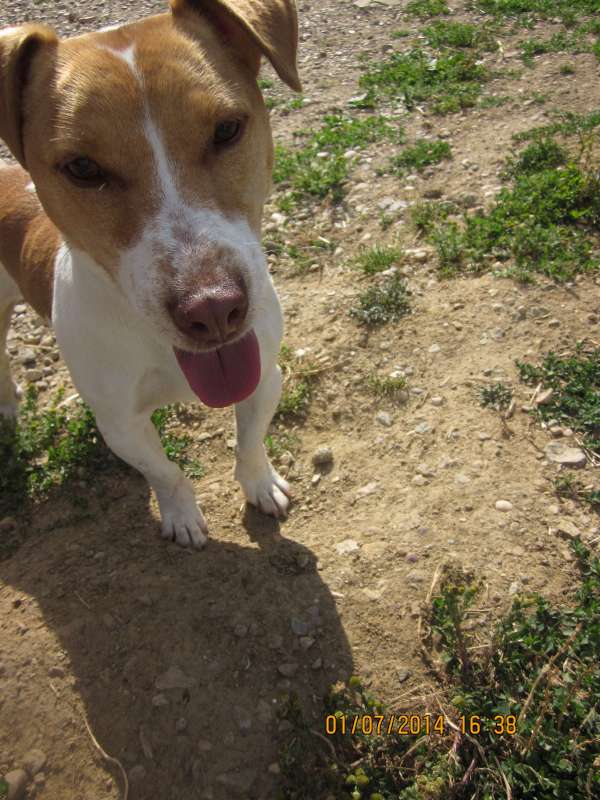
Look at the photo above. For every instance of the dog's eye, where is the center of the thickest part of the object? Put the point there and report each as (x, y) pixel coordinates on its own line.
(227, 132)
(84, 171)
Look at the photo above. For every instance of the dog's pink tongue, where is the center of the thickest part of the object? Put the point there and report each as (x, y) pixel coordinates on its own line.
(224, 376)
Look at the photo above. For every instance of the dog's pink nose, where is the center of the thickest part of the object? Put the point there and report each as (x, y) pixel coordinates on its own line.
(213, 317)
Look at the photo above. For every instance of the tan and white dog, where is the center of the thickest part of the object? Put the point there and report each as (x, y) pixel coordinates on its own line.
(132, 226)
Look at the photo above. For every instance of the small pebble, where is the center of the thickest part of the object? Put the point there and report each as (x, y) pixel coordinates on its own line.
(503, 505)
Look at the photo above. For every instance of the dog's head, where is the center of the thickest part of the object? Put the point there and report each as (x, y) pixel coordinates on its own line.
(150, 149)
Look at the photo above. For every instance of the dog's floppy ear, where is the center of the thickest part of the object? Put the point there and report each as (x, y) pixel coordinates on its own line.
(17, 49)
(272, 25)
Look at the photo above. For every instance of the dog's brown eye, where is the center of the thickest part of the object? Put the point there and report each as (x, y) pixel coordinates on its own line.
(84, 171)
(226, 132)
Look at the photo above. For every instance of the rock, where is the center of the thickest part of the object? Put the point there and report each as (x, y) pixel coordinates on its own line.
(422, 427)
(560, 453)
(17, 781)
(515, 588)
(368, 489)
(7, 524)
(181, 724)
(34, 761)
(434, 348)
(33, 375)
(240, 630)
(503, 505)
(423, 469)
(419, 480)
(322, 456)
(204, 746)
(417, 255)
(239, 783)
(288, 670)
(137, 773)
(403, 675)
(347, 546)
(437, 401)
(568, 528)
(27, 356)
(384, 419)
(554, 323)
(159, 700)
(306, 642)
(299, 627)
(174, 678)
(544, 397)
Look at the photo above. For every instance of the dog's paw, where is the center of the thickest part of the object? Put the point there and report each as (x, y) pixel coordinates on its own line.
(187, 527)
(265, 489)
(182, 520)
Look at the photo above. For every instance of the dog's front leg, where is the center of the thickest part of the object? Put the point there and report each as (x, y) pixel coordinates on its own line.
(261, 484)
(136, 441)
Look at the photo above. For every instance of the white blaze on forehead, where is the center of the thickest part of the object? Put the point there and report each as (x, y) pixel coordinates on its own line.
(162, 165)
(128, 56)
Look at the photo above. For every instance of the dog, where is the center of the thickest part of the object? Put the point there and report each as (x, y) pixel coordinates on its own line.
(132, 226)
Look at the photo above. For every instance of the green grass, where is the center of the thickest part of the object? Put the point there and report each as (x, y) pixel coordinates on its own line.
(388, 388)
(427, 215)
(569, 487)
(575, 380)
(528, 11)
(46, 449)
(299, 378)
(567, 69)
(460, 34)
(497, 396)
(514, 711)
(377, 258)
(424, 9)
(386, 302)
(307, 174)
(423, 153)
(559, 42)
(568, 123)
(449, 82)
(277, 444)
(544, 223)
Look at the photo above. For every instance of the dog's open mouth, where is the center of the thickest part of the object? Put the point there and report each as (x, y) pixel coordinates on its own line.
(223, 376)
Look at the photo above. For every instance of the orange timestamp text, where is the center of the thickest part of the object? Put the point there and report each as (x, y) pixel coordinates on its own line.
(417, 724)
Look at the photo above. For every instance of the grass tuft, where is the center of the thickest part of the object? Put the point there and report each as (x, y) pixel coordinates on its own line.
(420, 155)
(575, 401)
(387, 302)
(450, 81)
(377, 258)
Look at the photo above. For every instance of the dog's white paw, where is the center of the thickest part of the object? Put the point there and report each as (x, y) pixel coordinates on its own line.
(265, 489)
(182, 520)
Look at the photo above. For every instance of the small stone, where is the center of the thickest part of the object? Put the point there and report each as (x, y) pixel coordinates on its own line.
(484, 437)
(419, 480)
(27, 356)
(366, 490)
(33, 375)
(412, 558)
(422, 427)
(239, 783)
(322, 456)
(437, 401)
(299, 627)
(515, 587)
(7, 524)
(137, 773)
(306, 642)
(568, 528)
(274, 769)
(316, 479)
(384, 418)
(240, 630)
(204, 746)
(34, 761)
(17, 781)
(560, 453)
(423, 469)
(174, 678)
(434, 348)
(181, 724)
(56, 672)
(544, 397)
(288, 670)
(503, 505)
(159, 700)
(347, 547)
(317, 663)
(554, 323)
(403, 675)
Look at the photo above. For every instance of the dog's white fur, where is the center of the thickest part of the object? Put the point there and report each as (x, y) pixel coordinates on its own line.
(117, 339)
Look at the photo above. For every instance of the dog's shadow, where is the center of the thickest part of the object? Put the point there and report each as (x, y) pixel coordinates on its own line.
(181, 658)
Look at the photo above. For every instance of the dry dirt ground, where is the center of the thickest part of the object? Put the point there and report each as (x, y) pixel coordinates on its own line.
(177, 659)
